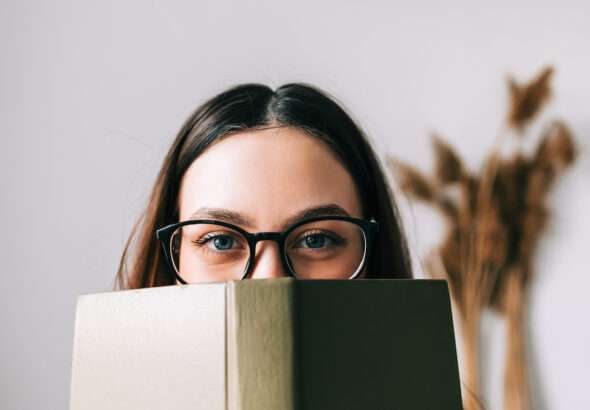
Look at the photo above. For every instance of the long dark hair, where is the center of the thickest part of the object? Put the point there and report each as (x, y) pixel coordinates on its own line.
(253, 106)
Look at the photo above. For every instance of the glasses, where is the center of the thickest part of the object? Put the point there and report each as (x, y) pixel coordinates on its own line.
(327, 247)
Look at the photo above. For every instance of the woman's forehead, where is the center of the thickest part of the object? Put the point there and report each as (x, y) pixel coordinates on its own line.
(267, 174)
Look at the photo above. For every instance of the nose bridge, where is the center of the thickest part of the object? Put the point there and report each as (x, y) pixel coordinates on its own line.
(265, 264)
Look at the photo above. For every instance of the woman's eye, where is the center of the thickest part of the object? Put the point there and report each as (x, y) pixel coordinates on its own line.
(218, 242)
(316, 241)
(223, 242)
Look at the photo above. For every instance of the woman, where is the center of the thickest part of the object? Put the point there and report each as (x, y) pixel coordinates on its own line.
(261, 183)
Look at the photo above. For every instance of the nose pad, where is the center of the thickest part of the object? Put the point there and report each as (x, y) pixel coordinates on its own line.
(267, 261)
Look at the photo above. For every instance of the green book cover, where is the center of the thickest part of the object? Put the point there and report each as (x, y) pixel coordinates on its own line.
(267, 344)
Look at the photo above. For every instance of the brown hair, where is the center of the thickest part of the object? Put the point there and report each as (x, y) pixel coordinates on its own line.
(253, 106)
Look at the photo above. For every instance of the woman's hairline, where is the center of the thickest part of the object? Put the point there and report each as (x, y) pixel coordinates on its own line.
(274, 124)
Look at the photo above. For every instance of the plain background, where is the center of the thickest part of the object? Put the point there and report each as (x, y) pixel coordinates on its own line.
(92, 94)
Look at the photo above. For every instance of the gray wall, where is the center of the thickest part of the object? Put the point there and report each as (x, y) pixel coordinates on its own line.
(92, 94)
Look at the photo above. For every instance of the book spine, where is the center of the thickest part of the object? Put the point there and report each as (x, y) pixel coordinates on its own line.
(261, 345)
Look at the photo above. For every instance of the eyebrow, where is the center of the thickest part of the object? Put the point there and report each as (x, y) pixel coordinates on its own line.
(236, 218)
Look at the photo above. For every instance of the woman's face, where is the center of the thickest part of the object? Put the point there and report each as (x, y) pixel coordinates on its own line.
(264, 179)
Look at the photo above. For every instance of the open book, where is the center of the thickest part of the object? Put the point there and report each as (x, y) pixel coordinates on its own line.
(267, 344)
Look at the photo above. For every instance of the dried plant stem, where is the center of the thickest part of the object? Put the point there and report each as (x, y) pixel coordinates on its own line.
(467, 309)
(470, 333)
(516, 388)
(475, 293)
(490, 168)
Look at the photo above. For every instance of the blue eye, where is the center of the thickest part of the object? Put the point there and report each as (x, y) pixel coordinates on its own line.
(315, 241)
(318, 241)
(223, 242)
(218, 242)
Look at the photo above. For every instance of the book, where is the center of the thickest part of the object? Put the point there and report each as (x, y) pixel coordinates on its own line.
(267, 344)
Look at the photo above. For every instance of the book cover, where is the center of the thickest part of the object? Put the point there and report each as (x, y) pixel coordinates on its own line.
(267, 344)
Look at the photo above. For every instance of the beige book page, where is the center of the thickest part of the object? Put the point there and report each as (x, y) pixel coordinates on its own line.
(150, 349)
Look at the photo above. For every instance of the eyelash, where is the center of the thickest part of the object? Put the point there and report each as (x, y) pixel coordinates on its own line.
(211, 236)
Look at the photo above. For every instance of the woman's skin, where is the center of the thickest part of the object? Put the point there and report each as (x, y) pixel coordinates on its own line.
(267, 177)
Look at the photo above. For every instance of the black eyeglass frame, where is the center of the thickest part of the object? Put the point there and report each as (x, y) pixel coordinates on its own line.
(368, 227)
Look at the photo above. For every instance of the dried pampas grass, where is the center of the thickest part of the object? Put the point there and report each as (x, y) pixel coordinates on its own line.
(448, 167)
(411, 181)
(492, 229)
(527, 100)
